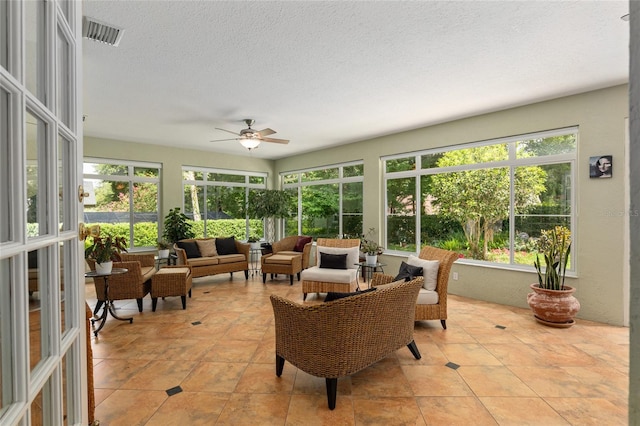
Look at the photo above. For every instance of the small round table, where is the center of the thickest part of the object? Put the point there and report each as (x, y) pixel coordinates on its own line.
(369, 268)
(108, 307)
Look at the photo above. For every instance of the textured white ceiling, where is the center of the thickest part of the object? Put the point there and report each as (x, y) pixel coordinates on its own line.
(327, 73)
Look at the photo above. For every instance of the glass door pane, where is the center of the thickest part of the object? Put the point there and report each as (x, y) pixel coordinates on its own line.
(35, 67)
(37, 181)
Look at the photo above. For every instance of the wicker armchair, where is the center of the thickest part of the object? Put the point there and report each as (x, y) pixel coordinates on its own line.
(437, 311)
(314, 285)
(286, 246)
(135, 284)
(342, 337)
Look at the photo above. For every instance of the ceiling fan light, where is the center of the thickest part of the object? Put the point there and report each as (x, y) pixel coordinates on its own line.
(250, 143)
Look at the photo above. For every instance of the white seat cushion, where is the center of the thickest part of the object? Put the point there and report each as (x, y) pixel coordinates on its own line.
(316, 273)
(430, 270)
(427, 297)
(353, 254)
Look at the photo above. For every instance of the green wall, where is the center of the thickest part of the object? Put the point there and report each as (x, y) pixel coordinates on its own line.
(600, 116)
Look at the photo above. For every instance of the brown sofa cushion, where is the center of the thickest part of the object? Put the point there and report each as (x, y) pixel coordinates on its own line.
(207, 247)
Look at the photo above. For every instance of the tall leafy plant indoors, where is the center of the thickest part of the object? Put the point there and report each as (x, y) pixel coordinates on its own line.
(176, 226)
(269, 204)
(555, 246)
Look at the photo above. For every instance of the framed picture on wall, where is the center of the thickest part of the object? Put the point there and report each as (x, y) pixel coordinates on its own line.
(601, 166)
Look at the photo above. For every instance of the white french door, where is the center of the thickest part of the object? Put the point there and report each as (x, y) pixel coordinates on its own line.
(42, 316)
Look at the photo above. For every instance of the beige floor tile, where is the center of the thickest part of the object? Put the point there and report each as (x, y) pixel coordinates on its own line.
(129, 407)
(435, 380)
(494, 381)
(589, 411)
(454, 410)
(261, 378)
(312, 410)
(214, 377)
(190, 408)
(307, 384)
(519, 411)
(465, 354)
(381, 379)
(160, 375)
(255, 409)
(231, 351)
(113, 373)
(387, 411)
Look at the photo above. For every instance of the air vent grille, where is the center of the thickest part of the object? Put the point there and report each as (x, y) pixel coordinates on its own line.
(101, 31)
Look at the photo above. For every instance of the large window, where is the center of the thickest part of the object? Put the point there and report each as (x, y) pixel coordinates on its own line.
(123, 199)
(489, 201)
(328, 201)
(215, 200)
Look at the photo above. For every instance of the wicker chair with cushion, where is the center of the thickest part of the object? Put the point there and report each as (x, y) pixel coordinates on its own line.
(432, 300)
(135, 284)
(340, 338)
(318, 279)
(294, 245)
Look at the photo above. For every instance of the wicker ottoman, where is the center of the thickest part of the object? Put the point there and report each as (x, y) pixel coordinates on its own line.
(171, 281)
(281, 264)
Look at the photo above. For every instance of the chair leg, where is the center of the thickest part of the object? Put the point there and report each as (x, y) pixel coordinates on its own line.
(139, 300)
(231, 273)
(279, 365)
(414, 349)
(291, 279)
(298, 276)
(304, 296)
(444, 323)
(184, 302)
(332, 390)
(189, 293)
(246, 274)
(98, 306)
(264, 278)
(154, 303)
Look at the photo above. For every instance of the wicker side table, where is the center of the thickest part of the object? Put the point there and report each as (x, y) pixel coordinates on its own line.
(171, 281)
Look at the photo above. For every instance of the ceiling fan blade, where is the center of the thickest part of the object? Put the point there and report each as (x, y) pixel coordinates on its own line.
(265, 132)
(283, 141)
(228, 131)
(223, 140)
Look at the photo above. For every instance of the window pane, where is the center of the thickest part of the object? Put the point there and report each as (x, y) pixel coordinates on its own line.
(145, 214)
(320, 210)
(64, 93)
(324, 174)
(64, 181)
(477, 155)
(352, 209)
(194, 208)
(111, 208)
(35, 48)
(292, 178)
(436, 229)
(65, 274)
(191, 175)
(356, 170)
(546, 146)
(223, 177)
(36, 165)
(4, 34)
(291, 223)
(401, 214)
(400, 164)
(6, 181)
(260, 180)
(106, 169)
(225, 210)
(6, 326)
(146, 172)
(37, 261)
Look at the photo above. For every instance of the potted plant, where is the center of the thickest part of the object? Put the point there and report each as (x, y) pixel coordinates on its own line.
(370, 247)
(254, 241)
(551, 301)
(176, 226)
(104, 251)
(269, 204)
(163, 248)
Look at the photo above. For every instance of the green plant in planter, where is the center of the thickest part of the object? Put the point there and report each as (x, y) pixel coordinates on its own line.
(163, 244)
(269, 204)
(253, 239)
(176, 227)
(104, 249)
(368, 245)
(555, 246)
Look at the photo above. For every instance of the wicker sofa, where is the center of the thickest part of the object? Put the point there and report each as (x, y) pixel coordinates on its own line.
(340, 338)
(207, 264)
(431, 304)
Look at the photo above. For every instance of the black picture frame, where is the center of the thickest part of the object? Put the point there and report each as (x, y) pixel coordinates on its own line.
(601, 166)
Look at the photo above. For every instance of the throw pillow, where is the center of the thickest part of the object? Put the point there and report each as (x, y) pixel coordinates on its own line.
(302, 241)
(226, 245)
(207, 247)
(190, 248)
(408, 272)
(353, 254)
(333, 261)
(430, 269)
(332, 295)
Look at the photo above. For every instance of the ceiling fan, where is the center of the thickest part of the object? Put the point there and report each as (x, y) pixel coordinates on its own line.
(250, 138)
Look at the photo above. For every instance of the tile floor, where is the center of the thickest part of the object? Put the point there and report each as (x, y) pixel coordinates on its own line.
(214, 363)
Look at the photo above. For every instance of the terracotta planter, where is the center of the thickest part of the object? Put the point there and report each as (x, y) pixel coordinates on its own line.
(555, 308)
